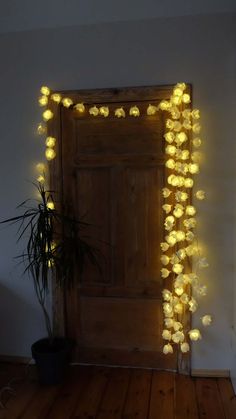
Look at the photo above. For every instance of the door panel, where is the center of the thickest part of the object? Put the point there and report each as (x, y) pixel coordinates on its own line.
(112, 174)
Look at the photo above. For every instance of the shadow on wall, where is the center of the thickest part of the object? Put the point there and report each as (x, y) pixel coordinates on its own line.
(18, 322)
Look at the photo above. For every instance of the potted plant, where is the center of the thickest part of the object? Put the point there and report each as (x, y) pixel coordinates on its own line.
(53, 242)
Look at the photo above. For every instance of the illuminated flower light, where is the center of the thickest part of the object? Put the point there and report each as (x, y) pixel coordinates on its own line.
(187, 124)
(201, 290)
(190, 210)
(178, 337)
(169, 222)
(50, 153)
(166, 192)
(189, 236)
(206, 320)
(43, 100)
(104, 111)
(195, 114)
(181, 167)
(170, 164)
(178, 210)
(40, 167)
(197, 142)
(184, 347)
(167, 308)
(170, 149)
(176, 100)
(186, 98)
(178, 308)
(177, 268)
(179, 290)
(184, 154)
(196, 156)
(188, 183)
(170, 124)
(203, 263)
(178, 91)
(50, 142)
(181, 253)
(167, 208)
(164, 105)
(50, 205)
(56, 97)
(195, 334)
(181, 196)
(200, 195)
(47, 115)
(175, 113)
(196, 128)
(190, 223)
(167, 295)
(180, 235)
(41, 179)
(120, 113)
(165, 260)
(165, 273)
(169, 137)
(67, 102)
(187, 113)
(193, 305)
(177, 326)
(184, 298)
(134, 111)
(174, 258)
(45, 90)
(180, 138)
(193, 168)
(151, 110)
(166, 334)
(177, 126)
(168, 349)
(41, 128)
(94, 111)
(80, 107)
(169, 323)
(164, 246)
(190, 250)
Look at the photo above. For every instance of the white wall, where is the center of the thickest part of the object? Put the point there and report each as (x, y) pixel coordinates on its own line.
(198, 50)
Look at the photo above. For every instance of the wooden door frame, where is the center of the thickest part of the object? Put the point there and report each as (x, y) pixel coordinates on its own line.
(93, 96)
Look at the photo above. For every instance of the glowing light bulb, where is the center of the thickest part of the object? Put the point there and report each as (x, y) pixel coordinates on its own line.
(188, 183)
(181, 254)
(67, 102)
(166, 294)
(51, 205)
(178, 210)
(104, 111)
(166, 192)
(184, 154)
(167, 349)
(203, 263)
(193, 305)
(178, 91)
(189, 236)
(187, 124)
(170, 149)
(177, 326)
(40, 167)
(179, 290)
(167, 208)
(178, 337)
(120, 113)
(176, 100)
(169, 222)
(94, 111)
(190, 223)
(190, 210)
(166, 334)
(134, 111)
(187, 113)
(195, 114)
(178, 308)
(200, 195)
(180, 138)
(165, 273)
(180, 235)
(181, 86)
(50, 141)
(164, 105)
(184, 347)
(50, 154)
(186, 98)
(177, 126)
(80, 107)
(170, 124)
(196, 128)
(171, 240)
(184, 298)
(164, 246)
(169, 137)
(170, 164)
(41, 179)
(181, 196)
(175, 113)
(151, 110)
(196, 156)
(206, 320)
(43, 100)
(165, 260)
(169, 322)
(56, 97)
(47, 115)
(167, 308)
(195, 334)
(45, 90)
(197, 142)
(177, 268)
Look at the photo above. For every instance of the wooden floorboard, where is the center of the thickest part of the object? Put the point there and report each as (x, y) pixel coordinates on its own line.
(117, 393)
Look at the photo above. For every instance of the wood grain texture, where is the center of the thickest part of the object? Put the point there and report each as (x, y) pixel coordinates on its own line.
(185, 398)
(162, 396)
(137, 400)
(209, 399)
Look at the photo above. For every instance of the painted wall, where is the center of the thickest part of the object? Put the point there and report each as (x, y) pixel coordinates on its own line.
(198, 50)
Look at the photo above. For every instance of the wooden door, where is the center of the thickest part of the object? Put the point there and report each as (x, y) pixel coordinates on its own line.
(111, 170)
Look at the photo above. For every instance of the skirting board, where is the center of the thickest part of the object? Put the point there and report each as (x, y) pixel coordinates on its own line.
(15, 359)
(210, 373)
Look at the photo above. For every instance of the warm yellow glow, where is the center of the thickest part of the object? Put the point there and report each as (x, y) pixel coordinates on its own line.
(178, 337)
(177, 268)
(203, 263)
(181, 196)
(197, 142)
(207, 320)
(179, 290)
(40, 167)
(170, 164)
(164, 246)
(50, 141)
(175, 113)
(166, 192)
(193, 305)
(80, 107)
(41, 129)
(56, 97)
(177, 326)
(169, 323)
(195, 114)
(169, 137)
(67, 102)
(167, 308)
(168, 349)
(50, 153)
(170, 149)
(186, 98)
(170, 124)
(41, 179)
(43, 100)
(94, 111)
(165, 260)
(104, 111)
(167, 295)
(45, 90)
(51, 205)
(164, 105)
(196, 128)
(166, 334)
(176, 100)
(187, 113)
(200, 195)
(120, 113)
(179, 308)
(190, 236)
(178, 91)
(178, 210)
(188, 183)
(169, 222)
(151, 110)
(195, 334)
(184, 347)
(190, 210)
(187, 124)
(180, 138)
(180, 235)
(167, 208)
(165, 273)
(48, 114)
(177, 126)
(134, 111)
(181, 254)
(184, 298)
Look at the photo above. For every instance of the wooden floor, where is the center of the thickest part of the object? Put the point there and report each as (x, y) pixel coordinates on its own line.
(109, 393)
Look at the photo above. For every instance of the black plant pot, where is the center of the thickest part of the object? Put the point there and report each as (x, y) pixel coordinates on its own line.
(51, 360)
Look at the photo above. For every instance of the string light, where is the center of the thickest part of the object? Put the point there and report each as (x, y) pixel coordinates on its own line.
(151, 110)
(50, 141)
(67, 102)
(45, 90)
(47, 115)
(80, 107)
(134, 111)
(195, 334)
(41, 128)
(56, 97)
(104, 111)
(120, 113)
(206, 320)
(43, 100)
(50, 154)
(94, 111)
